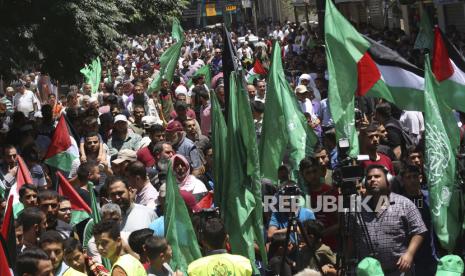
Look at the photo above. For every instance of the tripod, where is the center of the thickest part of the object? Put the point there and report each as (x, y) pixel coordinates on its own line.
(292, 224)
(344, 262)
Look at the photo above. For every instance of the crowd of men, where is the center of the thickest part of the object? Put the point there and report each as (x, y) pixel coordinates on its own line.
(127, 137)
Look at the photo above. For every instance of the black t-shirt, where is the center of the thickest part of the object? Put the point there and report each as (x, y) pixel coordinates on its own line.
(85, 195)
(394, 134)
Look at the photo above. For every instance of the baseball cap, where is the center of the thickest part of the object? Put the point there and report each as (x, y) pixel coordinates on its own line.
(450, 265)
(174, 126)
(149, 121)
(300, 89)
(120, 118)
(125, 155)
(369, 267)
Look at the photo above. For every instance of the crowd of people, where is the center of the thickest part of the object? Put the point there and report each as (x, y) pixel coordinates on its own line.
(127, 137)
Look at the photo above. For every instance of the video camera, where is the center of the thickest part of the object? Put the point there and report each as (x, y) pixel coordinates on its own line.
(347, 173)
(290, 190)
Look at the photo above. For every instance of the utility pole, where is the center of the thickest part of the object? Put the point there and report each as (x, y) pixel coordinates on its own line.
(320, 9)
(254, 15)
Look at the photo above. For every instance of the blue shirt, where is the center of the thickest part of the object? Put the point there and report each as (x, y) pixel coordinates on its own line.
(280, 220)
(158, 227)
(333, 159)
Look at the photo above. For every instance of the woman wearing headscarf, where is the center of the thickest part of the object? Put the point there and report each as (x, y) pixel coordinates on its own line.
(186, 181)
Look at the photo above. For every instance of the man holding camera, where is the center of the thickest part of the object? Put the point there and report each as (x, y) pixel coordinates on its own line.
(394, 225)
(288, 209)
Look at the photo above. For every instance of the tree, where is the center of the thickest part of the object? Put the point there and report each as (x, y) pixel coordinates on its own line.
(59, 37)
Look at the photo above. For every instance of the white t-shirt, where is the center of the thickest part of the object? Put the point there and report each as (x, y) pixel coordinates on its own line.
(25, 102)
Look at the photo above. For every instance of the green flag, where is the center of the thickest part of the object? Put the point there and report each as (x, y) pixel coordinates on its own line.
(109, 76)
(345, 47)
(219, 140)
(205, 71)
(176, 31)
(442, 140)
(284, 124)
(169, 59)
(178, 227)
(168, 62)
(425, 36)
(95, 219)
(243, 212)
(92, 74)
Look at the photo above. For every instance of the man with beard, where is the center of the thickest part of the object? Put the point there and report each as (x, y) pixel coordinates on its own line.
(394, 225)
(135, 216)
(9, 166)
(383, 146)
(199, 140)
(146, 155)
(370, 141)
(137, 125)
(48, 203)
(34, 222)
(140, 98)
(121, 138)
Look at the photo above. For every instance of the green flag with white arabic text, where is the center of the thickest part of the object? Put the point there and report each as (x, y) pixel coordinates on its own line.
(92, 74)
(441, 147)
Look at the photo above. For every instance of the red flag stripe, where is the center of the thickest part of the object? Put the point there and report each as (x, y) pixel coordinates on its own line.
(7, 219)
(60, 140)
(442, 67)
(65, 188)
(4, 266)
(206, 202)
(23, 175)
(258, 68)
(368, 74)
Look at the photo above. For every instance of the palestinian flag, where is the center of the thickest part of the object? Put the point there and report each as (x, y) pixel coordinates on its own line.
(63, 149)
(449, 69)
(8, 234)
(358, 66)
(257, 71)
(23, 176)
(4, 266)
(79, 209)
(206, 202)
(383, 73)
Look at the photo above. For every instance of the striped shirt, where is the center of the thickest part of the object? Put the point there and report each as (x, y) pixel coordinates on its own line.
(9, 105)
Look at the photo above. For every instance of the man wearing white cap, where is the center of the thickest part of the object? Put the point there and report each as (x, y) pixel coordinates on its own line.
(121, 138)
(305, 103)
(307, 80)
